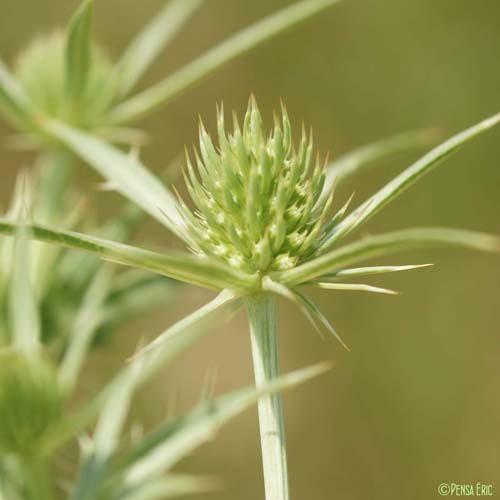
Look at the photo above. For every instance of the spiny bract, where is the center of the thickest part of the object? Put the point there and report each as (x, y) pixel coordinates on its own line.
(257, 196)
(41, 69)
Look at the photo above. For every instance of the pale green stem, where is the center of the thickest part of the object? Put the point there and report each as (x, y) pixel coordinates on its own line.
(262, 314)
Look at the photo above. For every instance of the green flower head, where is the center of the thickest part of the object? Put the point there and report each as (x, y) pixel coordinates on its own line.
(41, 69)
(30, 402)
(258, 197)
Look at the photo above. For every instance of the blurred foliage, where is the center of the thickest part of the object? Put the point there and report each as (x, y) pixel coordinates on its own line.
(416, 402)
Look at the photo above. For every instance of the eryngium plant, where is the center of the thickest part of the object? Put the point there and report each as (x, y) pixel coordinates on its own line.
(68, 76)
(39, 421)
(262, 227)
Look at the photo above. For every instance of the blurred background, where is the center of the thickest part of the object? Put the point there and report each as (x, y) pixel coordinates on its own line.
(417, 401)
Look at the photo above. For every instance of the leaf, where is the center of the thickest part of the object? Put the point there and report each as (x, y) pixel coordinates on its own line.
(146, 47)
(168, 335)
(180, 336)
(89, 317)
(183, 267)
(357, 160)
(370, 271)
(14, 103)
(126, 173)
(107, 435)
(355, 287)
(218, 56)
(313, 313)
(79, 49)
(171, 442)
(306, 305)
(119, 229)
(405, 180)
(385, 244)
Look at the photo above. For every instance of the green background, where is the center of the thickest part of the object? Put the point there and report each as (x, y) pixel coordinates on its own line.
(416, 402)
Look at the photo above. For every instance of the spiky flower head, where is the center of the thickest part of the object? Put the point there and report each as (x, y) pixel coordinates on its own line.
(257, 196)
(42, 71)
(30, 402)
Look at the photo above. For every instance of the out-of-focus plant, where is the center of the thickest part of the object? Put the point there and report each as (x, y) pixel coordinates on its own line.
(69, 77)
(76, 291)
(39, 420)
(262, 227)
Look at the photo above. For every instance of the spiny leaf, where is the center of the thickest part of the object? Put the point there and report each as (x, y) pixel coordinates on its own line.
(170, 443)
(107, 435)
(126, 173)
(386, 244)
(180, 336)
(355, 287)
(238, 44)
(168, 335)
(315, 314)
(357, 160)
(182, 267)
(370, 271)
(88, 319)
(308, 308)
(146, 47)
(406, 179)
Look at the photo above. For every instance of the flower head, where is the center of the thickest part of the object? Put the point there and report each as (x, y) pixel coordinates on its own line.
(30, 401)
(257, 196)
(42, 71)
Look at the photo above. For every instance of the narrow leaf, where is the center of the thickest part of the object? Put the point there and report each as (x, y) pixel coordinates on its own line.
(79, 49)
(316, 314)
(355, 287)
(127, 174)
(386, 244)
(357, 160)
(372, 270)
(406, 179)
(173, 441)
(107, 435)
(180, 336)
(88, 319)
(182, 267)
(167, 336)
(307, 307)
(146, 47)
(236, 45)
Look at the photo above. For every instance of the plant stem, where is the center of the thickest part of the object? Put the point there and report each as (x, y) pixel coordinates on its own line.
(262, 314)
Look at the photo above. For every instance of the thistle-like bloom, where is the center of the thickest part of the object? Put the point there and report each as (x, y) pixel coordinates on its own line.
(258, 198)
(42, 70)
